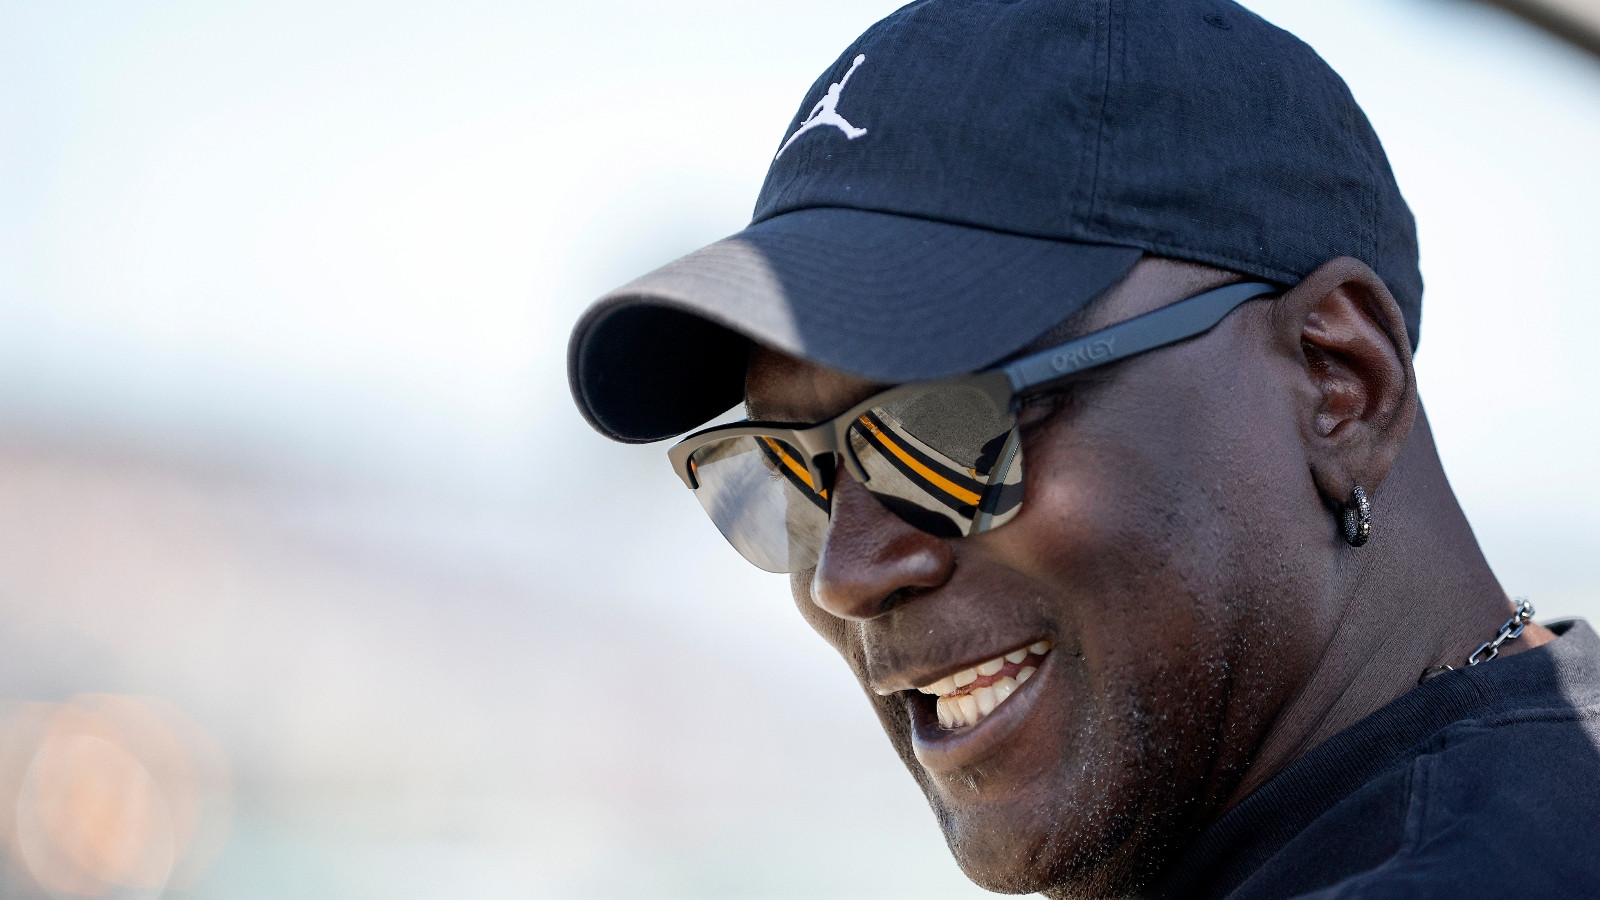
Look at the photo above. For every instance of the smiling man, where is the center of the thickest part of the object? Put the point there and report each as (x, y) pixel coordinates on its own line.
(1076, 341)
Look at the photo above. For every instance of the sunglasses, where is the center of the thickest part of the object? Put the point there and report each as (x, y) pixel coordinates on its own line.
(945, 456)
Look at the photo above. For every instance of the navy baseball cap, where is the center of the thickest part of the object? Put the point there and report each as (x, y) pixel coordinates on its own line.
(971, 172)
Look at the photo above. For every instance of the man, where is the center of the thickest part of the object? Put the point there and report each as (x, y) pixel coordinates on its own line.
(1082, 415)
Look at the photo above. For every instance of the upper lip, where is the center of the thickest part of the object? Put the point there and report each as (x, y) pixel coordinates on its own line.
(913, 679)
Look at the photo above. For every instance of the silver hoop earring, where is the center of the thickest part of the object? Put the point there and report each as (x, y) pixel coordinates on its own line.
(1358, 518)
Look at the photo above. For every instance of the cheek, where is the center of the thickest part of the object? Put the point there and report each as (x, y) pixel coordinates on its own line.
(1101, 511)
(1118, 541)
(1122, 532)
(800, 589)
(1156, 480)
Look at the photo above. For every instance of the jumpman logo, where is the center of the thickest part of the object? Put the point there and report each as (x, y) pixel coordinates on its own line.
(826, 112)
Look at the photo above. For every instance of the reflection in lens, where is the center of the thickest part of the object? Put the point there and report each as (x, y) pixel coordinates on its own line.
(758, 491)
(946, 460)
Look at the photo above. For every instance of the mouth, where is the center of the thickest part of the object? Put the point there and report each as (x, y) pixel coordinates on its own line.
(966, 717)
(967, 697)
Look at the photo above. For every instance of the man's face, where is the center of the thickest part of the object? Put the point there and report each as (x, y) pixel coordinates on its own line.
(1153, 550)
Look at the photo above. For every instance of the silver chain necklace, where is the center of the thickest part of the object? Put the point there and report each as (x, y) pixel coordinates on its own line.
(1510, 631)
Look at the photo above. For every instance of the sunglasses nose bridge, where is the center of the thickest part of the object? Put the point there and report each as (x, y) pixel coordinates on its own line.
(821, 454)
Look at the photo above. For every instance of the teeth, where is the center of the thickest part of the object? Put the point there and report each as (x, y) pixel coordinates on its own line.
(1002, 689)
(967, 709)
(986, 699)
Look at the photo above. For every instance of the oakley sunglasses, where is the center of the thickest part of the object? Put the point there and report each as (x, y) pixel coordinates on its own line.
(945, 456)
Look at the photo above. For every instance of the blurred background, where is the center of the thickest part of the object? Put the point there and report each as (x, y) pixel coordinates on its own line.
(312, 582)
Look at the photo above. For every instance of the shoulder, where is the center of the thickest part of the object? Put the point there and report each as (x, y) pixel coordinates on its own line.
(1514, 800)
(1505, 799)
(1502, 807)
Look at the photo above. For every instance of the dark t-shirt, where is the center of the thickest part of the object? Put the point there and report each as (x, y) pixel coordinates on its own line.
(1481, 782)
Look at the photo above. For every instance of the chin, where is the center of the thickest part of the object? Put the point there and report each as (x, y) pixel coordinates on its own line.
(1006, 852)
(1075, 806)
(1015, 846)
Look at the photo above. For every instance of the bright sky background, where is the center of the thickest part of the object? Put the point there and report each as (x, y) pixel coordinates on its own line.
(343, 242)
(357, 233)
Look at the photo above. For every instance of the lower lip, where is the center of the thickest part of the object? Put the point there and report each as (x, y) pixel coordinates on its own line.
(941, 751)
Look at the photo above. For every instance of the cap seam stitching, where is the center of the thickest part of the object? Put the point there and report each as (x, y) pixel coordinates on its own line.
(1100, 131)
(1373, 198)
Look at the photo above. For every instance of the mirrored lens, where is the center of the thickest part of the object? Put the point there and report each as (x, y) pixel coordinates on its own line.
(759, 493)
(946, 460)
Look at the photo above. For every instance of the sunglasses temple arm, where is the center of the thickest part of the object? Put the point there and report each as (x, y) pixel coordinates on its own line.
(1168, 325)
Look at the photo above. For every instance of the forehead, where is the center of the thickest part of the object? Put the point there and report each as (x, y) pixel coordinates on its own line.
(784, 388)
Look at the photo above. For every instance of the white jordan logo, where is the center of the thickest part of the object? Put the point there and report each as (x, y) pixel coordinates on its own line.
(826, 112)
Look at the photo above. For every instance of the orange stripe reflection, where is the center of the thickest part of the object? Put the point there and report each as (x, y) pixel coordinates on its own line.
(949, 487)
(793, 465)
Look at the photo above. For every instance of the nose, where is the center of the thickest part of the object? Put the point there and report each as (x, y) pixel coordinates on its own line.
(871, 557)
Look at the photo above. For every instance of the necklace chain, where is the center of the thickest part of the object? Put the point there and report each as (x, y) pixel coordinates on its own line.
(1510, 631)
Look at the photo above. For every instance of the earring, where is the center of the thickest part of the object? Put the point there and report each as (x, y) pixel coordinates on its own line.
(1358, 518)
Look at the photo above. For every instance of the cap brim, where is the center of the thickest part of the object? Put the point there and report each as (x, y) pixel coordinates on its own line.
(884, 297)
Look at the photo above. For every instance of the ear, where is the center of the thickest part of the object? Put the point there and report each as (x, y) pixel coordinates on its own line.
(1349, 337)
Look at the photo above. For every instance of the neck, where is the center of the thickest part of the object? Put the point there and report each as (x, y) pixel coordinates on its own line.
(1420, 594)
